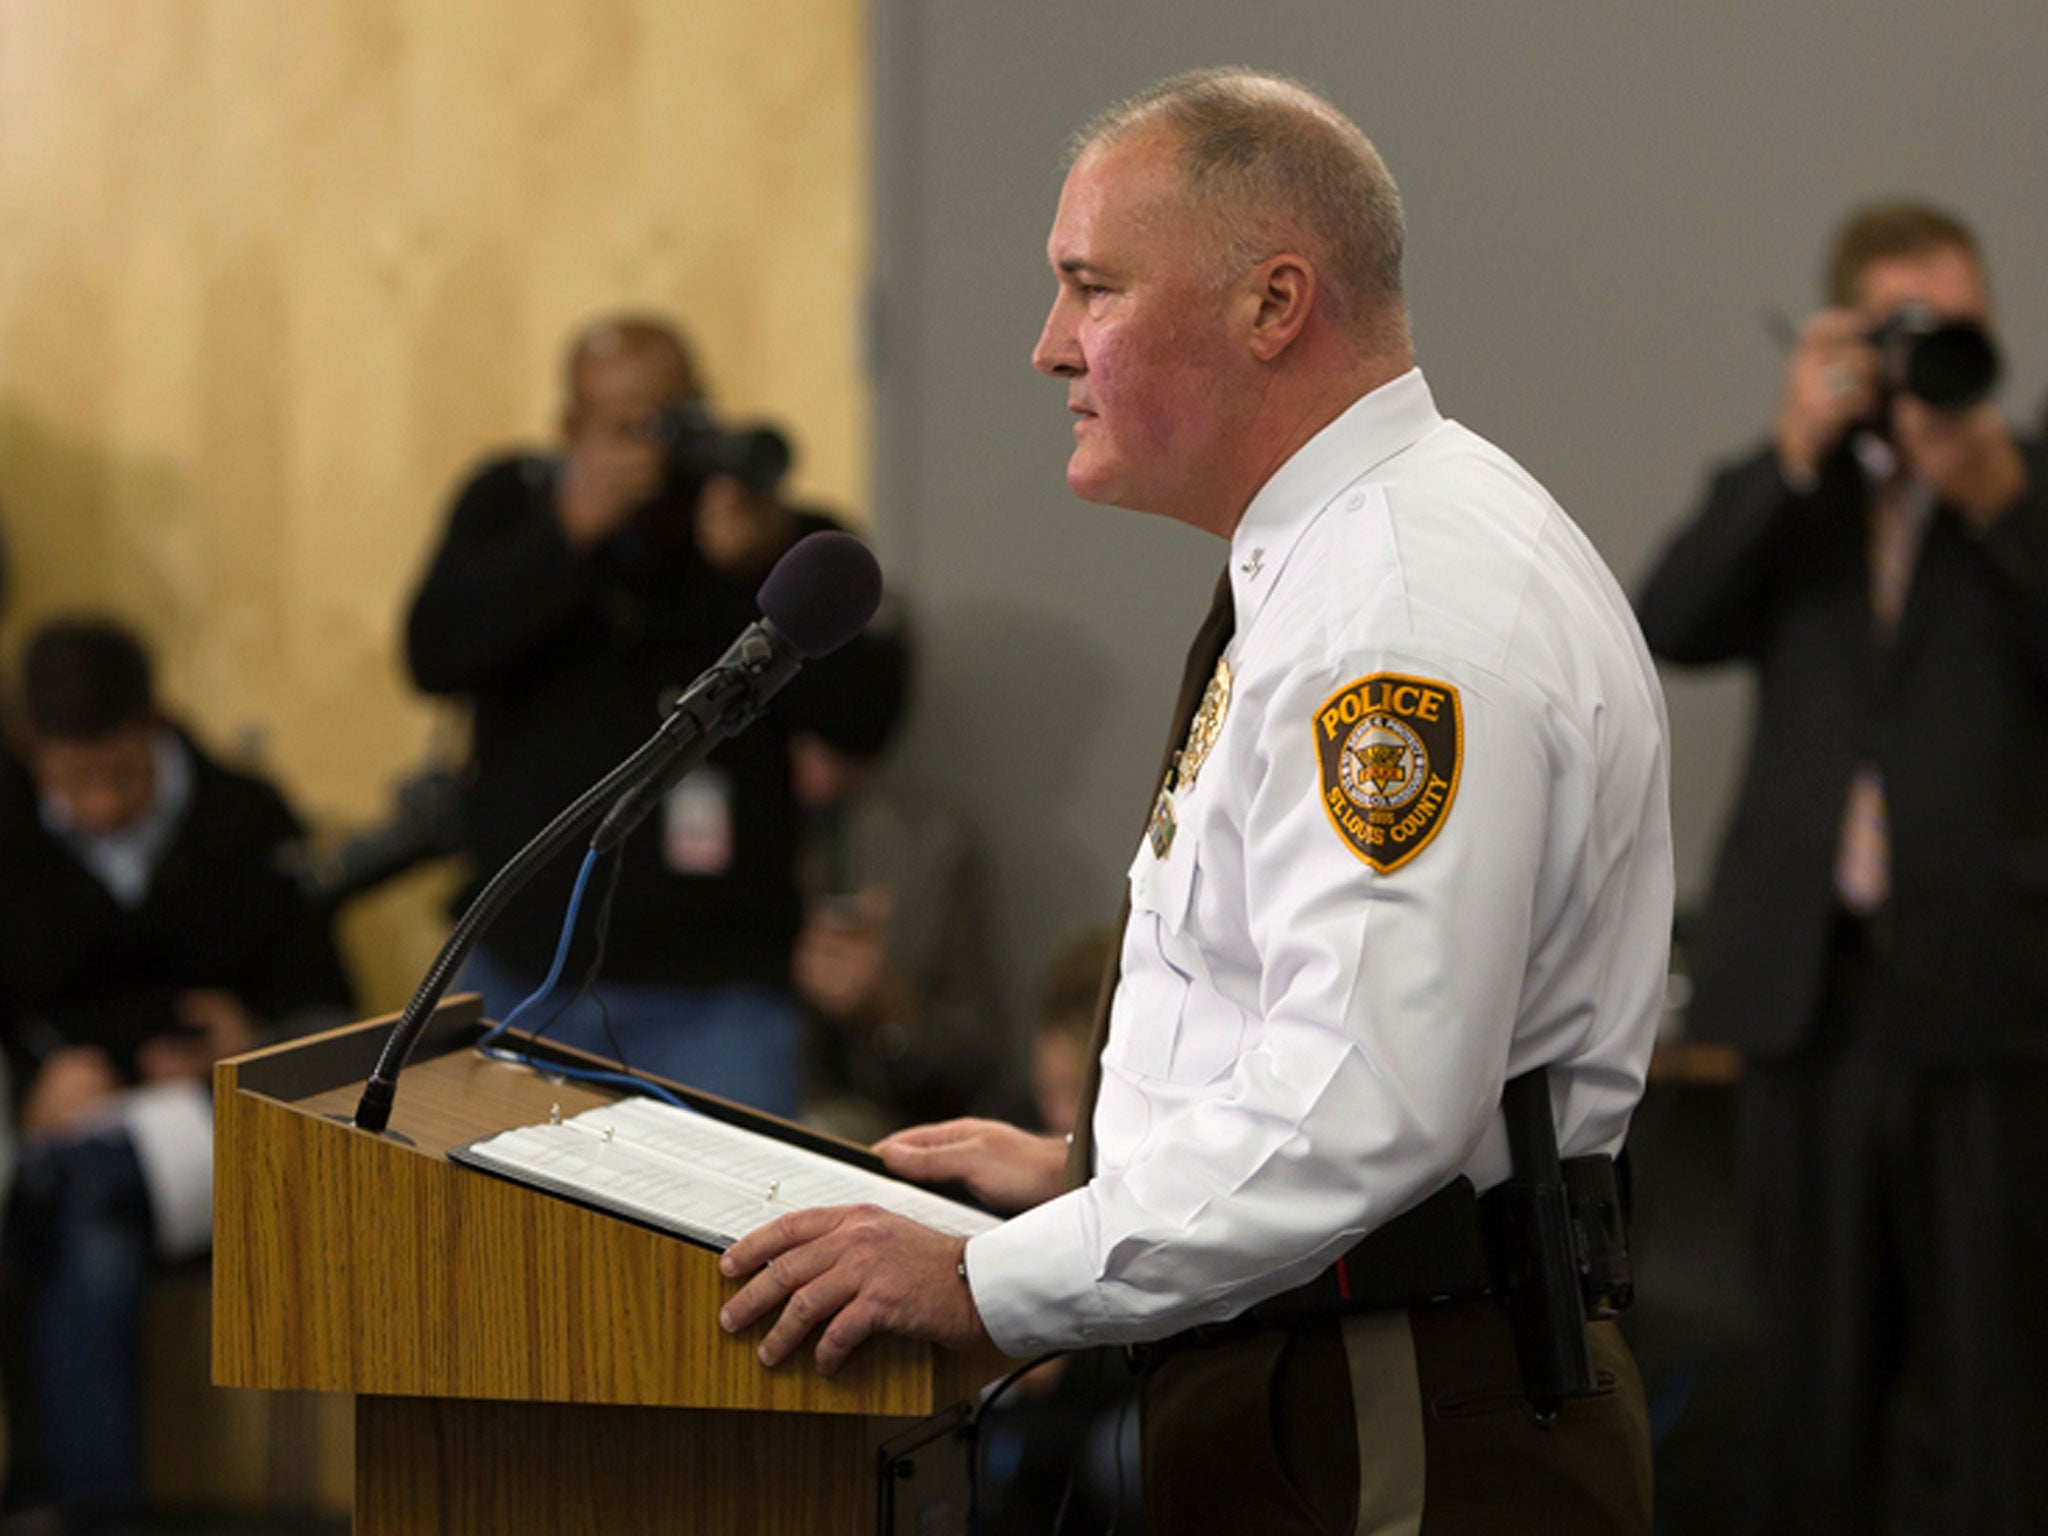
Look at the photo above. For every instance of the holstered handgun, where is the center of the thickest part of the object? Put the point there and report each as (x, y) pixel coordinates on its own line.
(1537, 1252)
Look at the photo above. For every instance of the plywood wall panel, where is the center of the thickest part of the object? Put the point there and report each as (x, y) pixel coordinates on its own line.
(274, 273)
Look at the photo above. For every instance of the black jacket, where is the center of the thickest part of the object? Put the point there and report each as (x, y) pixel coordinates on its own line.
(567, 658)
(77, 968)
(1954, 713)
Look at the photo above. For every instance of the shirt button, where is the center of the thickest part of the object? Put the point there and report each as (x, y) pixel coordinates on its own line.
(1088, 1335)
(1220, 1311)
(1357, 500)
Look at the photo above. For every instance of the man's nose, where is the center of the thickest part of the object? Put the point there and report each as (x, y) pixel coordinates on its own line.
(1056, 355)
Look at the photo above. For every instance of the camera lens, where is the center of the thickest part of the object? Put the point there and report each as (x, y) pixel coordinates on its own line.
(757, 456)
(1952, 367)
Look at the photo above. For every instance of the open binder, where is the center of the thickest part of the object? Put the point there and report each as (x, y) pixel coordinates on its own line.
(682, 1172)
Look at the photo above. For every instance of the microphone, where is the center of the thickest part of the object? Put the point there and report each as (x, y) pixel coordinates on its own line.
(822, 593)
(818, 597)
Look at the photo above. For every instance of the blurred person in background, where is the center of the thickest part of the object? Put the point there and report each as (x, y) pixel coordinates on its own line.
(893, 962)
(1877, 938)
(7, 768)
(1066, 1020)
(573, 591)
(147, 929)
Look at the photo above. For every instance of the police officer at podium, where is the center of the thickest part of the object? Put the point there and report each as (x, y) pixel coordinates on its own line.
(1398, 918)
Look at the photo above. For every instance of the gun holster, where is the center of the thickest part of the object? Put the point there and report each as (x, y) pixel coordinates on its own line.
(1550, 1244)
(1557, 1236)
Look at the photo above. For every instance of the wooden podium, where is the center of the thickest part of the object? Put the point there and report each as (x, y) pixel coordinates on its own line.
(521, 1363)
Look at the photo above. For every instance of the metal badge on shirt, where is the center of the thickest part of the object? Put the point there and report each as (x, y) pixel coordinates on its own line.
(1389, 747)
(1186, 766)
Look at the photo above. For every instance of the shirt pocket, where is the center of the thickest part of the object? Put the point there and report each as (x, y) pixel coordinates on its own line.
(1170, 1024)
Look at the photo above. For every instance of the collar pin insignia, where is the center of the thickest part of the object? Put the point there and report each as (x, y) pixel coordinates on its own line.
(1255, 564)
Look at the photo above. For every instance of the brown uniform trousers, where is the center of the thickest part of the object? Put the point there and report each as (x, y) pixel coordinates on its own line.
(1397, 1423)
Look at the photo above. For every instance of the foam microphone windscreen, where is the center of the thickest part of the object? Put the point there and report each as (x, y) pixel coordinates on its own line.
(822, 593)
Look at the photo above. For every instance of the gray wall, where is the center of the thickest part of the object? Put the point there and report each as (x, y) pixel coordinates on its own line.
(1603, 201)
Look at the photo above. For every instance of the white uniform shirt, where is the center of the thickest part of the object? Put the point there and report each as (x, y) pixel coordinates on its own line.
(1303, 1045)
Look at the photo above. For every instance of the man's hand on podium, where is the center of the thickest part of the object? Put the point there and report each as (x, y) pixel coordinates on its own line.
(1009, 1170)
(852, 1270)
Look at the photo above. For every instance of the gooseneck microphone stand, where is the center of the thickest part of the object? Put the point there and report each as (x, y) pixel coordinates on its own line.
(720, 704)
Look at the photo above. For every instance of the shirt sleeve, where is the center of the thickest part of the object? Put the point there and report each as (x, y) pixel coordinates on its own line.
(1377, 1009)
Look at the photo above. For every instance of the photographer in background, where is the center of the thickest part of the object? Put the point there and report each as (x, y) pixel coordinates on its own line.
(1877, 938)
(892, 964)
(146, 930)
(571, 594)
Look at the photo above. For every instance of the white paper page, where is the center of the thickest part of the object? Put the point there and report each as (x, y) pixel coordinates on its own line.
(688, 1173)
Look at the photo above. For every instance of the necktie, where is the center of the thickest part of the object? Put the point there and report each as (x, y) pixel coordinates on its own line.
(1203, 655)
(1863, 852)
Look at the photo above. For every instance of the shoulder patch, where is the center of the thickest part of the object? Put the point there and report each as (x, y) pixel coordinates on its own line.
(1390, 749)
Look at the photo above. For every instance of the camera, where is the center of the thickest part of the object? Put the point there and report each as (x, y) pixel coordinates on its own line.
(426, 822)
(697, 447)
(1950, 365)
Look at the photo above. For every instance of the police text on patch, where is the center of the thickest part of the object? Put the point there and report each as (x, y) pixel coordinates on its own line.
(1389, 748)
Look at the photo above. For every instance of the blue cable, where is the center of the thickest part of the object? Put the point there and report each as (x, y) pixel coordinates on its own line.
(561, 952)
(581, 1074)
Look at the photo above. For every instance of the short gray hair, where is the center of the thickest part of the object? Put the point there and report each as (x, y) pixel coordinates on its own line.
(1274, 163)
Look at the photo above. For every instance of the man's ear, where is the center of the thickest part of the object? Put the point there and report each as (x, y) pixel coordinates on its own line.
(1283, 288)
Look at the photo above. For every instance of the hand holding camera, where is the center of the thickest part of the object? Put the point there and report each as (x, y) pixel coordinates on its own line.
(614, 468)
(1831, 383)
(606, 478)
(1967, 458)
(741, 531)
(742, 525)
(1922, 382)
(1938, 376)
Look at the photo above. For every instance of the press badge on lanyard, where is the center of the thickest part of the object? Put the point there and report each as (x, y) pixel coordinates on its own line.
(697, 824)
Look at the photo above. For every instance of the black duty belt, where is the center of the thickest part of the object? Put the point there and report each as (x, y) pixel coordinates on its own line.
(1551, 1243)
